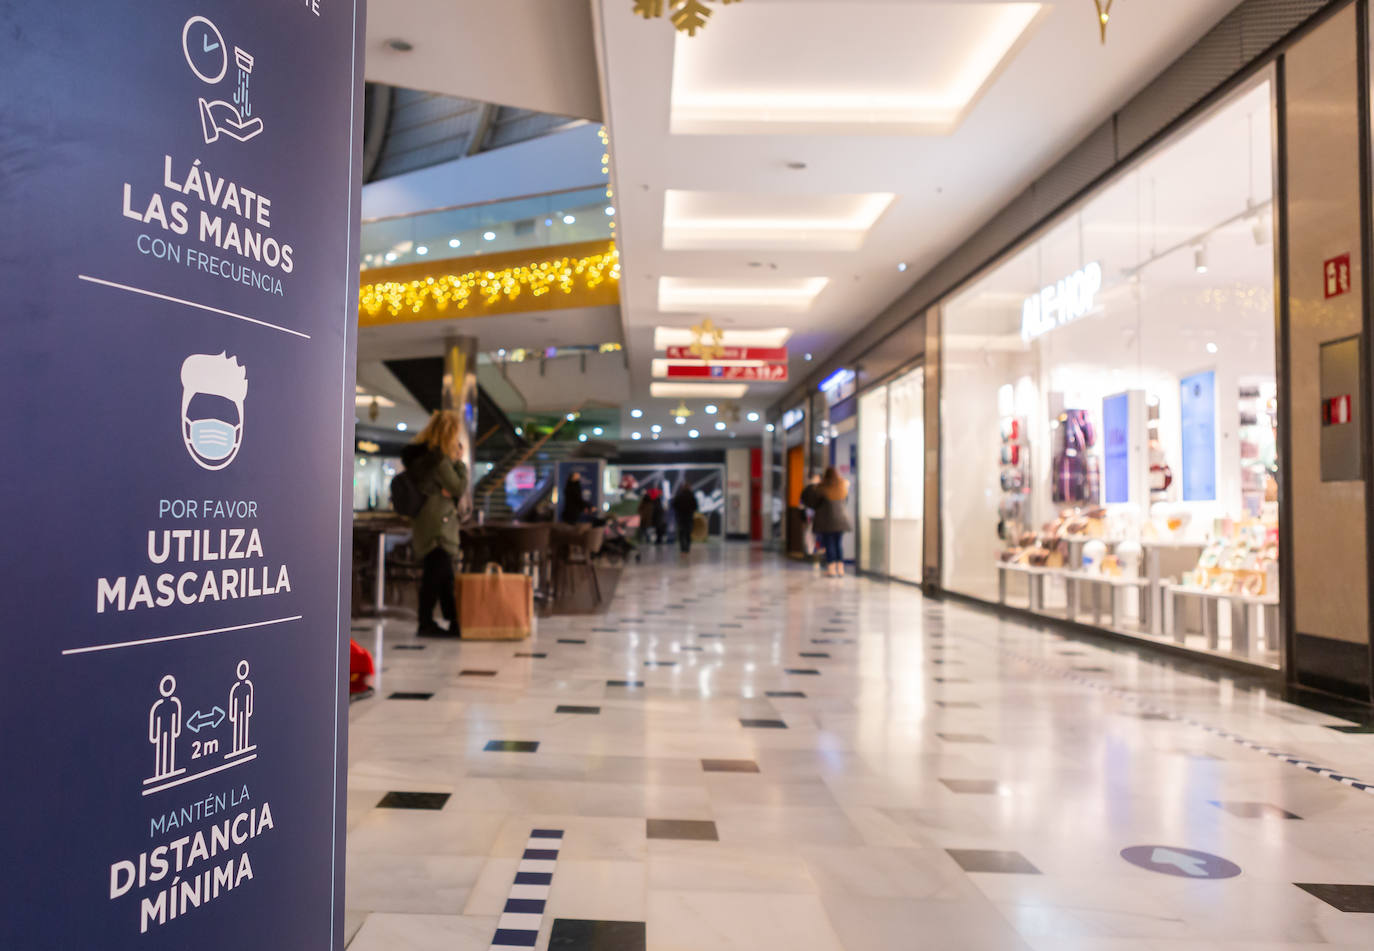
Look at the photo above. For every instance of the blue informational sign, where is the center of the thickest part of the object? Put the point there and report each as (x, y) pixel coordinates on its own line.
(589, 471)
(1198, 412)
(1116, 442)
(178, 253)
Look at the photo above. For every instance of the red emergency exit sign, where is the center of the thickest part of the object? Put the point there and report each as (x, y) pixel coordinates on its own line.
(1336, 276)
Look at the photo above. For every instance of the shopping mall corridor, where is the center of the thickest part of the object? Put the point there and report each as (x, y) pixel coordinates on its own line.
(742, 754)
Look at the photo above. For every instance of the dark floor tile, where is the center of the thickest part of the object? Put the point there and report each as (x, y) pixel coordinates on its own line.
(729, 766)
(822, 640)
(512, 746)
(723, 624)
(711, 636)
(973, 787)
(536, 656)
(576, 934)
(1348, 898)
(572, 640)
(409, 695)
(695, 649)
(476, 673)
(408, 647)
(814, 654)
(1072, 653)
(414, 800)
(802, 672)
(762, 724)
(1153, 716)
(1092, 670)
(660, 663)
(832, 630)
(694, 829)
(568, 708)
(1255, 810)
(605, 630)
(963, 737)
(951, 663)
(624, 683)
(988, 860)
(793, 694)
(1354, 728)
(957, 704)
(952, 680)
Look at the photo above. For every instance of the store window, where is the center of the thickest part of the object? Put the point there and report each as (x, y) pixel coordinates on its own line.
(872, 525)
(1108, 411)
(906, 437)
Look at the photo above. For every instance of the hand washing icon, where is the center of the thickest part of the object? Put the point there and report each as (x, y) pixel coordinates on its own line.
(206, 54)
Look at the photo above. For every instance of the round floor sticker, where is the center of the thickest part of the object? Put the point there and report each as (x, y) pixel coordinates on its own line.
(1185, 863)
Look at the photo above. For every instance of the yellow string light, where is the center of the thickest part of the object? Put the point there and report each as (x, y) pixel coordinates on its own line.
(490, 287)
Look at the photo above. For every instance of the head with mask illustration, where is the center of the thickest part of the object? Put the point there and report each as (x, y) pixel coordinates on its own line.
(213, 387)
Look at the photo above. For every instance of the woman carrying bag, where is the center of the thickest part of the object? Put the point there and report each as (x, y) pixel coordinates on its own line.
(832, 520)
(435, 462)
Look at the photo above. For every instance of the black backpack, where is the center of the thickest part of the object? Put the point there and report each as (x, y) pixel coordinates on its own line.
(406, 497)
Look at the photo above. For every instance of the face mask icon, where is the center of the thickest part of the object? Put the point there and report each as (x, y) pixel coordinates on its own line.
(213, 388)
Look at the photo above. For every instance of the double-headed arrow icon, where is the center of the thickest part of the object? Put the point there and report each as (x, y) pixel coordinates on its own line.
(198, 720)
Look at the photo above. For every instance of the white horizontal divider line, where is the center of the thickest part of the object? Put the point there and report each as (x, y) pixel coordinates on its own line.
(195, 776)
(178, 637)
(190, 303)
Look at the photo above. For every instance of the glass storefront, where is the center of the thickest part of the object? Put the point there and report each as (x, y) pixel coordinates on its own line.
(1109, 409)
(891, 450)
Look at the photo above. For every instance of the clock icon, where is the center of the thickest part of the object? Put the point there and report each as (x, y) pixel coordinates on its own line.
(203, 45)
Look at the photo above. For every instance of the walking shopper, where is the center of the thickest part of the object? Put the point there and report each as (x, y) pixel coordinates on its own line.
(574, 502)
(434, 462)
(832, 520)
(685, 513)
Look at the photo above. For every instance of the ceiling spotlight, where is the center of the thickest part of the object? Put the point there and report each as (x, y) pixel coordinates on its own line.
(693, 434)
(519, 430)
(548, 222)
(636, 413)
(571, 416)
(422, 249)
(454, 243)
(901, 265)
(597, 430)
(489, 236)
(390, 256)
(1211, 348)
(711, 409)
(401, 427)
(568, 219)
(610, 209)
(400, 46)
(720, 426)
(581, 437)
(753, 417)
(680, 420)
(770, 427)
(636, 436)
(808, 358)
(1200, 259)
(656, 429)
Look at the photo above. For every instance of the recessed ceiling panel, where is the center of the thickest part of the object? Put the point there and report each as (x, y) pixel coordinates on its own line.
(709, 391)
(691, 295)
(813, 67)
(727, 221)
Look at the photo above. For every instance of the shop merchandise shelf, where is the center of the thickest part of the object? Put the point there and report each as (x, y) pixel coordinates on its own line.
(1249, 615)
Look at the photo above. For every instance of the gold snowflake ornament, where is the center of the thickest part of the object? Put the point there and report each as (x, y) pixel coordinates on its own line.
(688, 16)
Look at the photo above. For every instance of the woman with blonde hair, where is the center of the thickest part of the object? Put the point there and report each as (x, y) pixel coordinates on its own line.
(435, 463)
(832, 520)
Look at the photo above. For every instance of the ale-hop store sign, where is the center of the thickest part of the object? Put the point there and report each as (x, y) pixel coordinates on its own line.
(1062, 302)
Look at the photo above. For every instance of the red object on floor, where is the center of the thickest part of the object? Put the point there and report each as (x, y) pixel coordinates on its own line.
(360, 668)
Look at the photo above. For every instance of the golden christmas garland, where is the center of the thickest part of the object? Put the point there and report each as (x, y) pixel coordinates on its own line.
(486, 288)
(688, 16)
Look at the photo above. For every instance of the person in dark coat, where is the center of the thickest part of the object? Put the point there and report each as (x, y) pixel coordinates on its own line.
(832, 520)
(685, 513)
(435, 461)
(574, 502)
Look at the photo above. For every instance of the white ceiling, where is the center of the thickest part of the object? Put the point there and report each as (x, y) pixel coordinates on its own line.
(953, 108)
(533, 54)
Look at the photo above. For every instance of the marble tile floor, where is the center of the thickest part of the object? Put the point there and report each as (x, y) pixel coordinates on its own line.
(944, 780)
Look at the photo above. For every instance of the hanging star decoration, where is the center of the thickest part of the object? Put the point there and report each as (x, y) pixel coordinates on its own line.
(708, 341)
(688, 16)
(682, 411)
(1104, 13)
